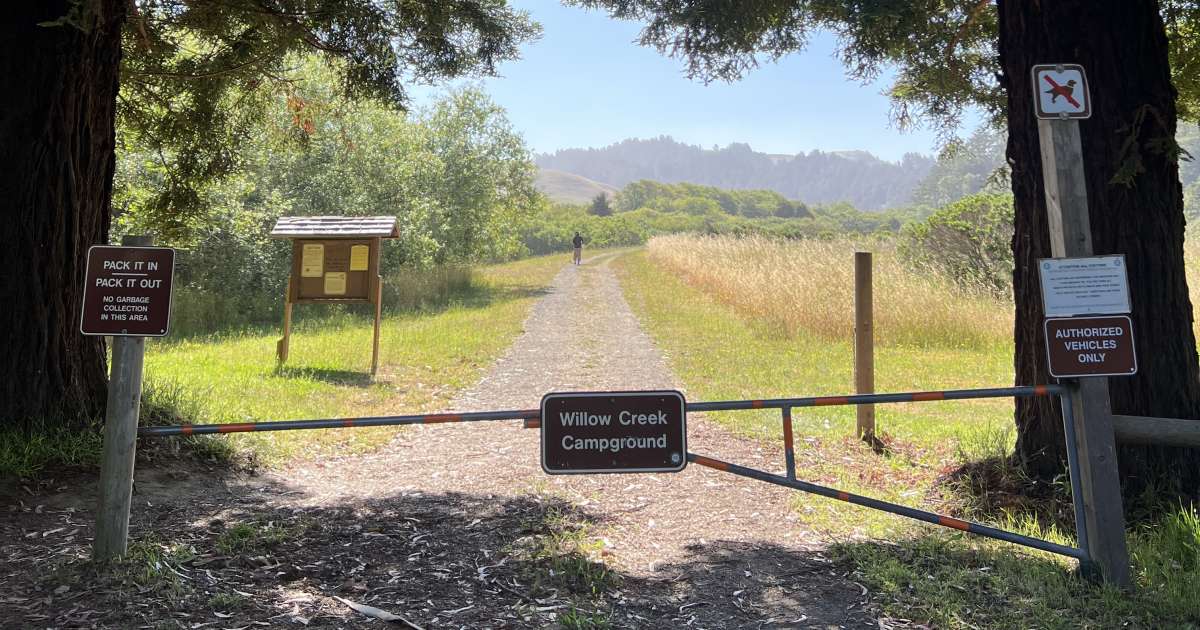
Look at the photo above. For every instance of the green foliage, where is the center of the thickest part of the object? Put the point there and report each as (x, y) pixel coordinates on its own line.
(197, 78)
(1188, 138)
(551, 230)
(843, 218)
(695, 199)
(456, 176)
(645, 209)
(969, 241)
(1182, 21)
(600, 206)
(965, 168)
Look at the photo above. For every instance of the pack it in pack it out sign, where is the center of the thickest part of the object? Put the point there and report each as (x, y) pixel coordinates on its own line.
(614, 432)
(1092, 285)
(127, 291)
(1061, 91)
(1090, 346)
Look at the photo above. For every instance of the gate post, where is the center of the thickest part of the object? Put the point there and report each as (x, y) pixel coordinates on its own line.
(1071, 235)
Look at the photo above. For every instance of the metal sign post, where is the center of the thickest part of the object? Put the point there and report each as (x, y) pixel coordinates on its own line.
(126, 294)
(1071, 235)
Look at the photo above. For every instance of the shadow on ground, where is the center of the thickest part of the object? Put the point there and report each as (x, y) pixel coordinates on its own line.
(226, 550)
(336, 377)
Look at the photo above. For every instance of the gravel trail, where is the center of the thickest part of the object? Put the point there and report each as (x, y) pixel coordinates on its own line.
(733, 543)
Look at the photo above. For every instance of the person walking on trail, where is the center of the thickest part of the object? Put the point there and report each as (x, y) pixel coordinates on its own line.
(578, 243)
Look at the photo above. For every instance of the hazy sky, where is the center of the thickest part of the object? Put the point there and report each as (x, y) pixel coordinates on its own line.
(586, 84)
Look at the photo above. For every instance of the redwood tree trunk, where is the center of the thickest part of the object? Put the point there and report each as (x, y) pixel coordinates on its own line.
(1123, 47)
(58, 91)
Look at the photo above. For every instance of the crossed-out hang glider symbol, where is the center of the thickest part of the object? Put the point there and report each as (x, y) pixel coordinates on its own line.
(1066, 91)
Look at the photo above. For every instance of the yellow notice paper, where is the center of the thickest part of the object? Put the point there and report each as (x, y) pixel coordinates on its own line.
(358, 257)
(312, 262)
(335, 283)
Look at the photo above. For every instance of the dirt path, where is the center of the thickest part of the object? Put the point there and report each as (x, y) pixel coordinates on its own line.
(733, 543)
(450, 526)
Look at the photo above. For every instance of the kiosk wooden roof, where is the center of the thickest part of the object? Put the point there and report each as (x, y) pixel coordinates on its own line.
(336, 227)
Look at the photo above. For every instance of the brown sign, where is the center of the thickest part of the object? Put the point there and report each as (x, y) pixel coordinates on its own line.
(335, 269)
(1090, 346)
(614, 432)
(127, 291)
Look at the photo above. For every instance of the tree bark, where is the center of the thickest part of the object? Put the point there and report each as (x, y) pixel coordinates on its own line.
(58, 93)
(1123, 48)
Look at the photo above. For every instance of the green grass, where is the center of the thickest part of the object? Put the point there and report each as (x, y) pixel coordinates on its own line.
(24, 455)
(425, 359)
(250, 537)
(919, 572)
(720, 356)
(564, 552)
(428, 353)
(950, 582)
(577, 619)
(152, 563)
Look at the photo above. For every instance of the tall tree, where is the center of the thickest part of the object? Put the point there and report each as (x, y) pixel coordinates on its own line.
(600, 206)
(970, 52)
(1136, 205)
(58, 93)
(184, 61)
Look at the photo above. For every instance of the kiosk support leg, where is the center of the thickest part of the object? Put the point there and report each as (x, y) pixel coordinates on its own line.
(281, 348)
(378, 316)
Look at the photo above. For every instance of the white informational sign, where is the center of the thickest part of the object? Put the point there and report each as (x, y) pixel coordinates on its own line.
(1095, 285)
(1061, 91)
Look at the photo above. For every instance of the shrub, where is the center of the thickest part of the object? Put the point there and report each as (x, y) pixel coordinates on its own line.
(968, 241)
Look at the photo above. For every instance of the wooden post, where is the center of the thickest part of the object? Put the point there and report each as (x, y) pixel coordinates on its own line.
(377, 247)
(1071, 235)
(864, 343)
(281, 348)
(120, 439)
(378, 317)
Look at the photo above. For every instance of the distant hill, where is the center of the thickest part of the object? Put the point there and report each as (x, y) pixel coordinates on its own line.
(977, 163)
(569, 187)
(818, 177)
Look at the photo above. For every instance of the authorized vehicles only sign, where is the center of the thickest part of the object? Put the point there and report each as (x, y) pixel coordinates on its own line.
(1090, 346)
(598, 432)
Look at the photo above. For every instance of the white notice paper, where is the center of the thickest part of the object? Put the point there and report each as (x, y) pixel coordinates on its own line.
(1095, 285)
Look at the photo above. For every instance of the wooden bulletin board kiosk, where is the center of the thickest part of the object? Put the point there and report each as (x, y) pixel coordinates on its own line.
(334, 259)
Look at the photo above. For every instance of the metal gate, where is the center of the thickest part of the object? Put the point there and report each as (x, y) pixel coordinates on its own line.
(531, 418)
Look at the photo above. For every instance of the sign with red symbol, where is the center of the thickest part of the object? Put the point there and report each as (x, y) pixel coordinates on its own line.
(1061, 91)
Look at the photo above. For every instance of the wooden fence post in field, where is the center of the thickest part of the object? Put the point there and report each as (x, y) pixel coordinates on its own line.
(1070, 236)
(864, 343)
(120, 439)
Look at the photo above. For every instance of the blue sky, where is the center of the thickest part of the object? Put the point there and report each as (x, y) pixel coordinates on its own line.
(586, 84)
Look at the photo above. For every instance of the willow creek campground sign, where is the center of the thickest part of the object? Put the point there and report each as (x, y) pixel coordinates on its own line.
(614, 432)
